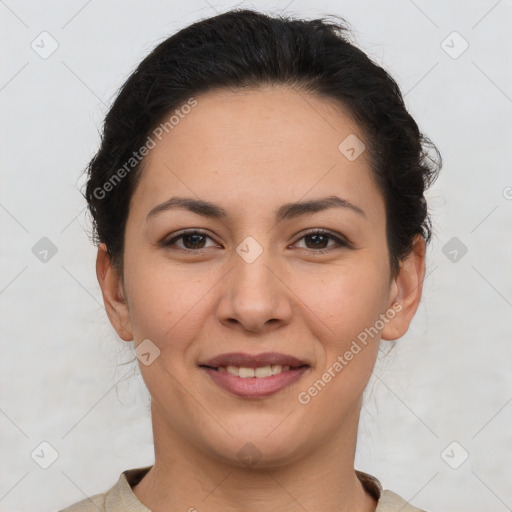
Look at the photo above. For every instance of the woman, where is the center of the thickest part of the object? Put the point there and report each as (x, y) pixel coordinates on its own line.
(258, 204)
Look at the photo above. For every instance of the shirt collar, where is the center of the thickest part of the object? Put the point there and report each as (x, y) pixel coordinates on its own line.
(121, 496)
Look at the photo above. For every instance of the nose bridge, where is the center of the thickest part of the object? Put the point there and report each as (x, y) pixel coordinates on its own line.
(253, 293)
(252, 278)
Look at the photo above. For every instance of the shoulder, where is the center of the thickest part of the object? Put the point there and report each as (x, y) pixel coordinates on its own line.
(93, 504)
(387, 501)
(119, 498)
(392, 502)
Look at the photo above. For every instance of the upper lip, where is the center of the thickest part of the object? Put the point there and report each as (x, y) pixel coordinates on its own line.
(253, 361)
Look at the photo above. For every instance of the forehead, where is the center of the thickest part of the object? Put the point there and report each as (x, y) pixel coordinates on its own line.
(254, 147)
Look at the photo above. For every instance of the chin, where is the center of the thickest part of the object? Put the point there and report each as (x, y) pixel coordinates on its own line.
(255, 448)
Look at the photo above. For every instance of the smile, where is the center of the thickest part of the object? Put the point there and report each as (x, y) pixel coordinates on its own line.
(258, 373)
(254, 375)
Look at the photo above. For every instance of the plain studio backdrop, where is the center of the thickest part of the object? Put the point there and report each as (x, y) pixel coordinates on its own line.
(435, 425)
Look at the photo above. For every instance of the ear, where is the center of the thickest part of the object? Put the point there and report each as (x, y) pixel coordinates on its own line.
(111, 284)
(406, 291)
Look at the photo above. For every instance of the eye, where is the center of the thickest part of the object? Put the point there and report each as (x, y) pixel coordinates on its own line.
(319, 238)
(192, 240)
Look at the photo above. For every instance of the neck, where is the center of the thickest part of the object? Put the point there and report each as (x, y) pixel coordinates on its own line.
(186, 478)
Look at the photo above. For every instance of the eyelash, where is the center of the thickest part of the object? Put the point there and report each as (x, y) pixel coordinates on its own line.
(341, 242)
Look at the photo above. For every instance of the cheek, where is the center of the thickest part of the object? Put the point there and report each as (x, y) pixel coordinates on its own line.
(349, 304)
(347, 299)
(168, 305)
(166, 308)
(155, 297)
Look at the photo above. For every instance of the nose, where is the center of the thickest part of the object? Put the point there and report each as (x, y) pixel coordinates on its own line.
(255, 297)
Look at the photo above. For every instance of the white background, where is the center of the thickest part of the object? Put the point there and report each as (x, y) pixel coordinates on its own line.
(447, 380)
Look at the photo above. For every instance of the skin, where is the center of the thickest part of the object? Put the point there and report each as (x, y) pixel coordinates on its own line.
(250, 152)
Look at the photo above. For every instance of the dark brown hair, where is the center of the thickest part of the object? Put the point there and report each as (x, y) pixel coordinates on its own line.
(244, 48)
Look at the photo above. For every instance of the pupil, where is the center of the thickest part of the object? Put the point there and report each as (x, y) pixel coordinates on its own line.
(195, 237)
(317, 237)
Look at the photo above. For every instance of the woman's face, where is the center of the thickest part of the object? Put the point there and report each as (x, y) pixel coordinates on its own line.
(255, 280)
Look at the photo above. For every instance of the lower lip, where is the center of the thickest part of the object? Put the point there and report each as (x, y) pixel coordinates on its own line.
(254, 387)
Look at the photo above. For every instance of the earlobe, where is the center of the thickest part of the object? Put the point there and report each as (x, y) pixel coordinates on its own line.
(406, 291)
(114, 299)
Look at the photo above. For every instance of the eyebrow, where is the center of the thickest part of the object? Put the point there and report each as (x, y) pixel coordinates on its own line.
(284, 212)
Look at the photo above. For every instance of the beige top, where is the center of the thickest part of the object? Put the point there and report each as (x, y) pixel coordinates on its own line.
(120, 498)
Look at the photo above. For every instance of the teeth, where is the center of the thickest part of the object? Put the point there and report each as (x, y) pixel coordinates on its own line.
(261, 372)
(245, 373)
(233, 370)
(264, 371)
(276, 368)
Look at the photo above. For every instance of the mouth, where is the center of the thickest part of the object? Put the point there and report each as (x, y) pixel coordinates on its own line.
(260, 372)
(254, 376)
